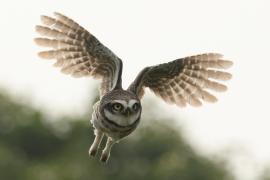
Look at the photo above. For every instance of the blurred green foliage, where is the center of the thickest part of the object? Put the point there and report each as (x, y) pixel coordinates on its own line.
(266, 173)
(33, 148)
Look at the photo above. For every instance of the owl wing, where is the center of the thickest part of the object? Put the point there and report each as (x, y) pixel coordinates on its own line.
(78, 52)
(184, 80)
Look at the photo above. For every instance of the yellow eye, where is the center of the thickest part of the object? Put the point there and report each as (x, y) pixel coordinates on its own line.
(117, 106)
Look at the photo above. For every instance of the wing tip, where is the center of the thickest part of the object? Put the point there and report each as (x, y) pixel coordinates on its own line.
(210, 99)
(41, 41)
(44, 55)
(216, 55)
(225, 77)
(223, 88)
(58, 14)
(226, 64)
(47, 20)
(38, 41)
(228, 77)
(40, 29)
(195, 103)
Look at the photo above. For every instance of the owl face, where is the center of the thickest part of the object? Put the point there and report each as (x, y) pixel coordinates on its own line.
(121, 108)
(123, 112)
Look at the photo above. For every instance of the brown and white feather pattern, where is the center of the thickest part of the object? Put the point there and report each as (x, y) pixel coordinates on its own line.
(78, 52)
(184, 80)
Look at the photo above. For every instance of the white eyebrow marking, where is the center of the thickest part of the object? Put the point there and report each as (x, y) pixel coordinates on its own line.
(124, 103)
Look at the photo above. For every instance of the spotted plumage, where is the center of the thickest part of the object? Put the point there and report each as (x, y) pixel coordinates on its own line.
(117, 114)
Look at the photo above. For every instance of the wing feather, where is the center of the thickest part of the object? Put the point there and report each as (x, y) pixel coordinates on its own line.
(184, 81)
(77, 52)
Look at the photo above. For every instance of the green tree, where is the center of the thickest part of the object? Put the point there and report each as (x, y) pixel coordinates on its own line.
(266, 174)
(33, 148)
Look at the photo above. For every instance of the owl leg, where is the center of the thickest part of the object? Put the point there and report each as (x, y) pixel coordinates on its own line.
(106, 151)
(94, 147)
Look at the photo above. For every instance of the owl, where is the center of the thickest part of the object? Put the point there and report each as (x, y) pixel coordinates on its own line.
(117, 113)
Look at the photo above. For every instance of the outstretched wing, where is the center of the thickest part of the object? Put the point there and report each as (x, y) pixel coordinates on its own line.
(78, 52)
(184, 80)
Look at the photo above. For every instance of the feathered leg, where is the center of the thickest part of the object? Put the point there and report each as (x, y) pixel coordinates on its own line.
(106, 151)
(94, 147)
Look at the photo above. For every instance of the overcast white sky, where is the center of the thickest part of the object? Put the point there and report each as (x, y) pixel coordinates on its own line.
(150, 32)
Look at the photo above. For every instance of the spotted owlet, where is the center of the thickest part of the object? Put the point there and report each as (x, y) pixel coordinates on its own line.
(117, 114)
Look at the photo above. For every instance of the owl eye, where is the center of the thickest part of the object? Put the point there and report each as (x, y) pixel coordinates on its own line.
(135, 106)
(117, 107)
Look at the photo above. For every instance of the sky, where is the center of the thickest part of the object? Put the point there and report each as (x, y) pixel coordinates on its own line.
(144, 33)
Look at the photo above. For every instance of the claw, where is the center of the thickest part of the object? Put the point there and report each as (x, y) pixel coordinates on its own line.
(92, 152)
(104, 157)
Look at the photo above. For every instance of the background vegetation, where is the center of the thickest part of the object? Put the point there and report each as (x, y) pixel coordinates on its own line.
(31, 147)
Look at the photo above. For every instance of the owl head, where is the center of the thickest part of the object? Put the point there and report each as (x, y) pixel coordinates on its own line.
(121, 107)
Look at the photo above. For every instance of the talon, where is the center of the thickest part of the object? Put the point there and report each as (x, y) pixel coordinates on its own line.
(104, 158)
(92, 152)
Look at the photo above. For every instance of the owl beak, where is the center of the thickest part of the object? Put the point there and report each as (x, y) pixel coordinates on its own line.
(128, 112)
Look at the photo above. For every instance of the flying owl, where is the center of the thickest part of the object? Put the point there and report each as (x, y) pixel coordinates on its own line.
(117, 114)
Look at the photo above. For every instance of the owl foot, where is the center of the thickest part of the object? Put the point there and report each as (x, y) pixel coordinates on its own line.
(92, 152)
(106, 151)
(94, 147)
(104, 157)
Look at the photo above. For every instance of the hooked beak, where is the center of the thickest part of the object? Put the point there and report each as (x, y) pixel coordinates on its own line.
(127, 112)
